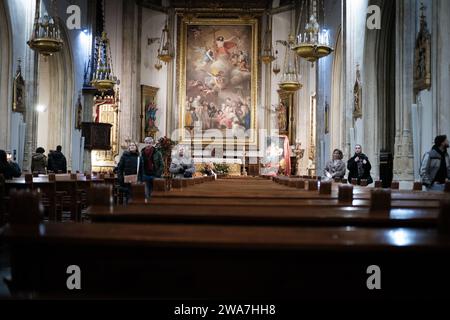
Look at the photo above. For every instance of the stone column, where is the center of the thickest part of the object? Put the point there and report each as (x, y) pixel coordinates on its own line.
(405, 26)
(440, 54)
(29, 69)
(88, 103)
(130, 78)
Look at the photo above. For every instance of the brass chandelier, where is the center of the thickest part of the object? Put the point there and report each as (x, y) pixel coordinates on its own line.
(165, 51)
(313, 43)
(103, 78)
(290, 78)
(46, 35)
(267, 55)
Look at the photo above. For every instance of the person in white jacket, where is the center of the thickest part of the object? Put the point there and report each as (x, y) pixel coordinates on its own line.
(182, 165)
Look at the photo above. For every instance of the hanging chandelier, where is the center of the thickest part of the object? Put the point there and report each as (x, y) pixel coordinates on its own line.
(165, 52)
(103, 78)
(267, 55)
(314, 42)
(46, 35)
(290, 78)
(276, 67)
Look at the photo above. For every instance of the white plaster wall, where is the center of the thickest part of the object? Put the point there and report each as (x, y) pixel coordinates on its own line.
(152, 25)
(44, 101)
(280, 31)
(20, 14)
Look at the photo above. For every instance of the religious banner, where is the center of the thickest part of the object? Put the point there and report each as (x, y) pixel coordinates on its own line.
(217, 78)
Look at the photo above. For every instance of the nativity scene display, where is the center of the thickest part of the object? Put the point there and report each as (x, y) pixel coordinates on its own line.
(218, 93)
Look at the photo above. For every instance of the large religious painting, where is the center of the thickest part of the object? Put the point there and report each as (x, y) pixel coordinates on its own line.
(217, 79)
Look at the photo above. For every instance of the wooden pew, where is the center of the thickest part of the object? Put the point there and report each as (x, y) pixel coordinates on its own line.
(294, 212)
(211, 262)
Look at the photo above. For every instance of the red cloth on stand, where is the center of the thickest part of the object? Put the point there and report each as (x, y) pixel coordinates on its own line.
(287, 155)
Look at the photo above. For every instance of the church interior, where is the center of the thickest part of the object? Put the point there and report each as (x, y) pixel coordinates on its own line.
(193, 149)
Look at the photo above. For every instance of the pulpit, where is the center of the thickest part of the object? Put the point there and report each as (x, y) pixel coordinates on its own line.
(97, 135)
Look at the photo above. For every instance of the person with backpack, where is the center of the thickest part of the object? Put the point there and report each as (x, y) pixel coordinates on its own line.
(435, 167)
(57, 162)
(151, 166)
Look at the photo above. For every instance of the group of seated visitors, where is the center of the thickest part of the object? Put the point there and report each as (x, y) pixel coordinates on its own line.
(434, 169)
(358, 166)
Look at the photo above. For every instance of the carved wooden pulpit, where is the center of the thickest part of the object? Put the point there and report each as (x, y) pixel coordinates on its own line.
(97, 135)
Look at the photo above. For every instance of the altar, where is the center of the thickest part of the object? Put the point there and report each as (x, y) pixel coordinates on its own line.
(235, 165)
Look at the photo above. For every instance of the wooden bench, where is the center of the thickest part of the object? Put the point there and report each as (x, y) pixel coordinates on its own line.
(164, 261)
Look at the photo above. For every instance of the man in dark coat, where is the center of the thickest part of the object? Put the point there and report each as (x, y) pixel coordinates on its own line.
(151, 166)
(359, 166)
(57, 162)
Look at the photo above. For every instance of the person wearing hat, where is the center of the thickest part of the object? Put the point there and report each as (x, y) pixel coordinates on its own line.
(435, 167)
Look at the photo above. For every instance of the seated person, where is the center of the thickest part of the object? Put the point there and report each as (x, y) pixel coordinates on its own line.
(209, 170)
(8, 168)
(272, 161)
(335, 168)
(182, 165)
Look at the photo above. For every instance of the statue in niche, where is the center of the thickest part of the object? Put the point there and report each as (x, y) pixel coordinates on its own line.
(79, 109)
(357, 95)
(299, 153)
(422, 62)
(282, 117)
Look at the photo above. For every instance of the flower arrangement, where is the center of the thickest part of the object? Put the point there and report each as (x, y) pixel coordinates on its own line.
(165, 146)
(221, 168)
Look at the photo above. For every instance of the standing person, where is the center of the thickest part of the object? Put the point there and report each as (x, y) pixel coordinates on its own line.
(151, 166)
(182, 165)
(128, 166)
(8, 168)
(39, 161)
(435, 168)
(335, 168)
(359, 166)
(57, 162)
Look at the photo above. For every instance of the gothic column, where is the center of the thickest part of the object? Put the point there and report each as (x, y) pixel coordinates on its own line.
(440, 52)
(30, 69)
(405, 35)
(130, 77)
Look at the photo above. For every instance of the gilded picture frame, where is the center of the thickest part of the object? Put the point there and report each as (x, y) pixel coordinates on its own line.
(148, 112)
(217, 76)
